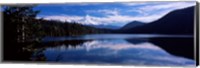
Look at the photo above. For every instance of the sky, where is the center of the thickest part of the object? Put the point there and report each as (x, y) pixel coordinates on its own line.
(115, 14)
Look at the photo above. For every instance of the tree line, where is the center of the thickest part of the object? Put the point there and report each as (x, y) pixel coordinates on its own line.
(20, 24)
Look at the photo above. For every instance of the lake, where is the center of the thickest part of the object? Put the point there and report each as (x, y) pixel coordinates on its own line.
(122, 49)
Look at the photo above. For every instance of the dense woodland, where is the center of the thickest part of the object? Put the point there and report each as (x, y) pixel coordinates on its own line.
(21, 22)
(22, 29)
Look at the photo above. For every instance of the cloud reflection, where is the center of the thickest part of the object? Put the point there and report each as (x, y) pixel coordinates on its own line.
(116, 52)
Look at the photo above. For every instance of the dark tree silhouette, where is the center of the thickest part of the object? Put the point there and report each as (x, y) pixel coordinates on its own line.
(17, 19)
(22, 29)
(16, 29)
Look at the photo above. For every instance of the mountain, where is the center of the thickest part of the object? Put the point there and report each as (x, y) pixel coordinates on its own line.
(105, 26)
(127, 26)
(176, 22)
(132, 24)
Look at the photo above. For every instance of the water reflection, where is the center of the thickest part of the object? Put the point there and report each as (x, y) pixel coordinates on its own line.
(177, 46)
(139, 49)
(113, 51)
(113, 36)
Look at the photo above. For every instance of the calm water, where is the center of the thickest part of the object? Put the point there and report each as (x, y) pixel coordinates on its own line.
(138, 49)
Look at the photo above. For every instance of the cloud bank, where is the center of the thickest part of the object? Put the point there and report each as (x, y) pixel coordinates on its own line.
(145, 12)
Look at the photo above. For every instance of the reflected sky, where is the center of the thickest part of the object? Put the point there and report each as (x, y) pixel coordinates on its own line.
(113, 36)
(115, 51)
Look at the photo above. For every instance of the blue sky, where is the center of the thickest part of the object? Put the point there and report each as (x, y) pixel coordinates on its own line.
(116, 14)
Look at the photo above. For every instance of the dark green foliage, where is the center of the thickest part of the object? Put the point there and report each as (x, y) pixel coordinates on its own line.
(20, 11)
(18, 20)
(58, 28)
(22, 29)
(27, 28)
(77, 29)
(16, 23)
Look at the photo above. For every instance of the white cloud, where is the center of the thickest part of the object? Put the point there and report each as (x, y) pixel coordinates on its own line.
(104, 11)
(161, 7)
(167, 6)
(88, 19)
(124, 18)
(150, 13)
(147, 13)
(72, 4)
(83, 4)
(135, 3)
(63, 18)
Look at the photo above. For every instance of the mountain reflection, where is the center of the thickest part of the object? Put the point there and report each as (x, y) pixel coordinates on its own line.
(112, 51)
(176, 46)
(71, 43)
(139, 49)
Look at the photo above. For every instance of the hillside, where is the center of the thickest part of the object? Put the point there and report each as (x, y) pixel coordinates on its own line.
(176, 22)
(132, 25)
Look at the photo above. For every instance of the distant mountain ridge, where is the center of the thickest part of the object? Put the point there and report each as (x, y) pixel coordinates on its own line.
(127, 26)
(176, 22)
(132, 25)
(105, 26)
